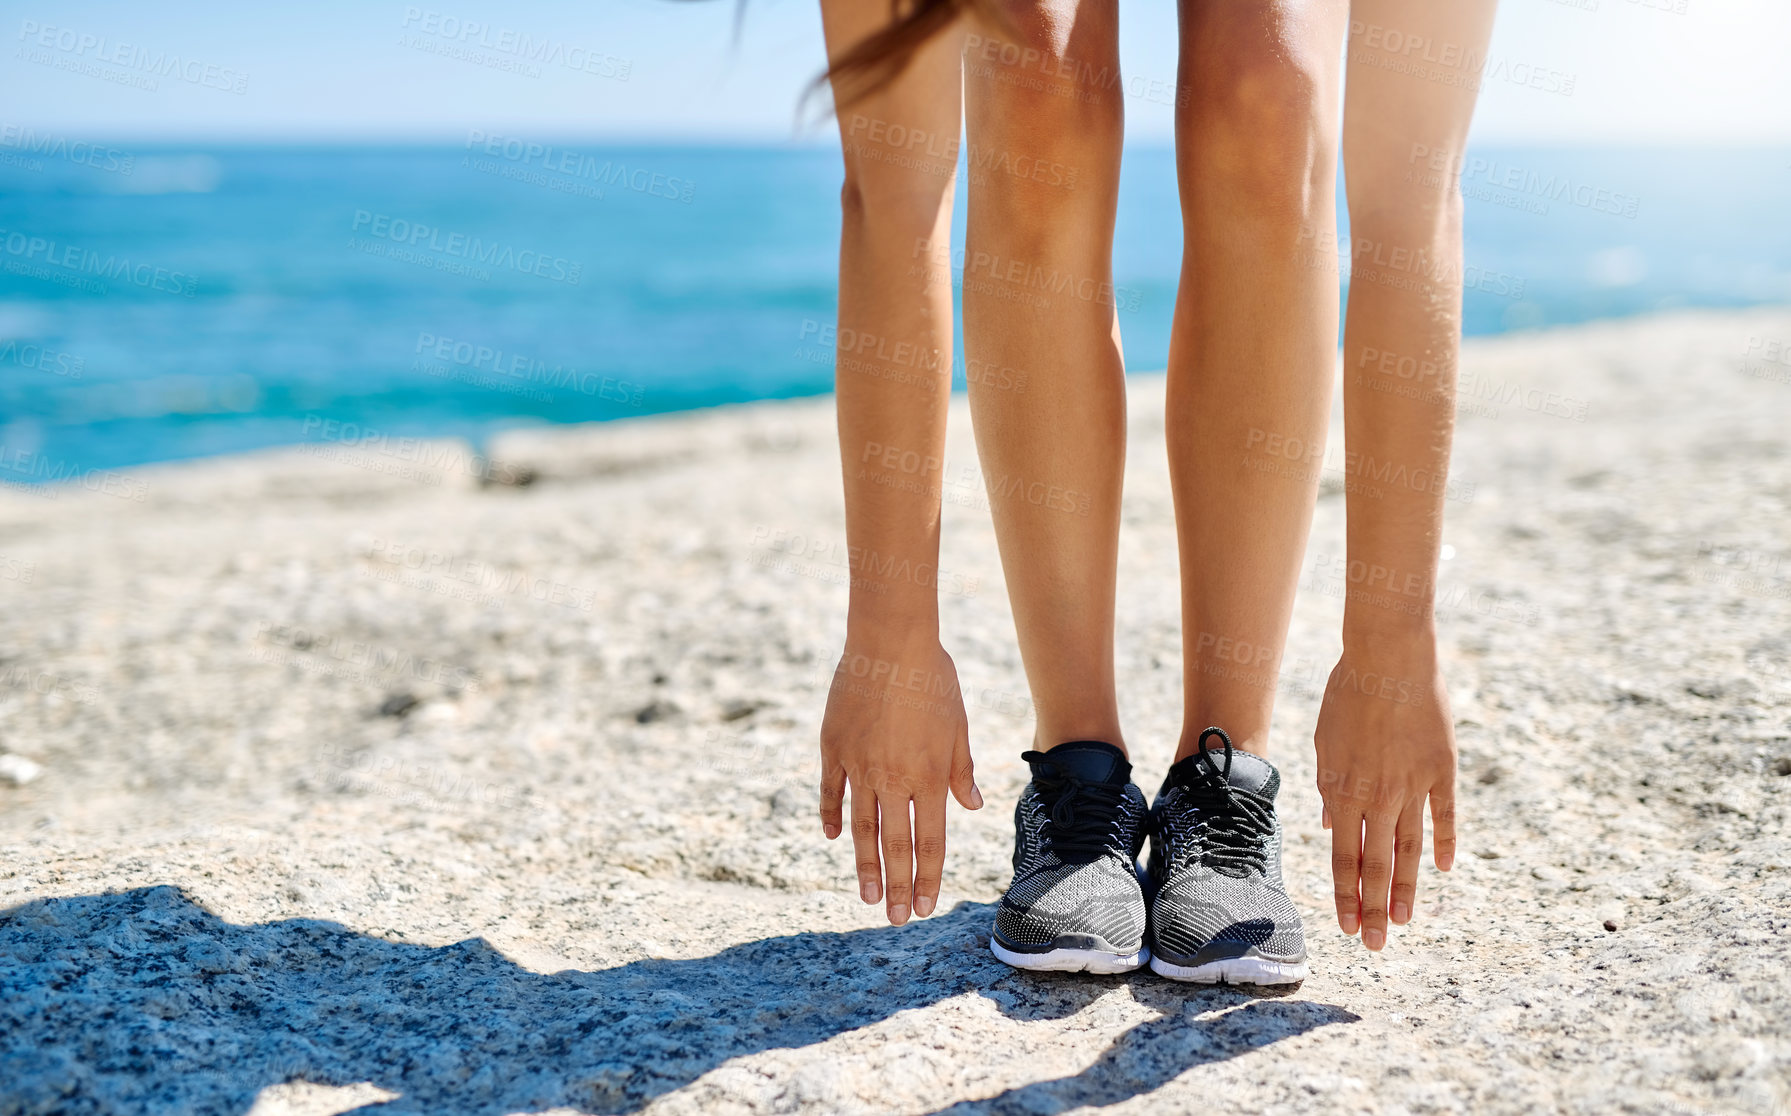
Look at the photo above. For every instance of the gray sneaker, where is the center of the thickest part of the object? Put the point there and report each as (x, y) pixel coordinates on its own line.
(1219, 912)
(1076, 903)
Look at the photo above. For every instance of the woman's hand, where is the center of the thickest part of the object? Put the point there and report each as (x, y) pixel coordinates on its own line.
(1386, 743)
(895, 730)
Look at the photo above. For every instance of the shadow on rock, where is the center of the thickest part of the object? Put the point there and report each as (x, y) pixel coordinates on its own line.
(1199, 1025)
(145, 1001)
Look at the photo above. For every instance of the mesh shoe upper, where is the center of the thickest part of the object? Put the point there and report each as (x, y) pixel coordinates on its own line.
(1078, 828)
(1215, 862)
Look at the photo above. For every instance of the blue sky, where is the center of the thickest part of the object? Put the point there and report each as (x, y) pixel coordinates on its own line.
(1644, 71)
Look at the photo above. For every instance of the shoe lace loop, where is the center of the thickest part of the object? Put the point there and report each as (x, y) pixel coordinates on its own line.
(1235, 823)
(1084, 815)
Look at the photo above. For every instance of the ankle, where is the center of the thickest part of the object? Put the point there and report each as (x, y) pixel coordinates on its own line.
(1256, 742)
(1043, 743)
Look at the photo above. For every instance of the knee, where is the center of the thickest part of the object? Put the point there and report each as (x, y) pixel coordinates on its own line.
(1050, 75)
(1398, 197)
(906, 199)
(1257, 122)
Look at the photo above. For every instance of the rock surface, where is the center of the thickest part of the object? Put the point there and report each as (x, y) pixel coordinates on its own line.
(372, 784)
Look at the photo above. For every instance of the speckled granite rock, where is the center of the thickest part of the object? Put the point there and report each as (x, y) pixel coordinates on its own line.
(360, 786)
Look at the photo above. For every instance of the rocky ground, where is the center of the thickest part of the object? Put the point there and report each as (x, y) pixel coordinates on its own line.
(341, 778)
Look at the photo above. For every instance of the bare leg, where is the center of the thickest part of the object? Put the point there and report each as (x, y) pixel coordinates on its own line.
(1038, 305)
(1253, 349)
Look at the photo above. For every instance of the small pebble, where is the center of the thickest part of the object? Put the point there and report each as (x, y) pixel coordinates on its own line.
(1610, 924)
(737, 708)
(16, 771)
(656, 711)
(398, 705)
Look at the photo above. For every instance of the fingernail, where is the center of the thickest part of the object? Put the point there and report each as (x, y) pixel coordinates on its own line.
(1374, 938)
(868, 892)
(1401, 913)
(923, 905)
(831, 830)
(898, 914)
(1348, 922)
(976, 797)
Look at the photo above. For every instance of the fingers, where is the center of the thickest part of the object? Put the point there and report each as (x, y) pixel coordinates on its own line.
(898, 855)
(1377, 874)
(1442, 820)
(1408, 851)
(963, 776)
(1346, 868)
(833, 793)
(864, 843)
(929, 851)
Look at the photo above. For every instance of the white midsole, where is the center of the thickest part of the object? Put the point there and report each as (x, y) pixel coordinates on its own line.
(1234, 970)
(1072, 960)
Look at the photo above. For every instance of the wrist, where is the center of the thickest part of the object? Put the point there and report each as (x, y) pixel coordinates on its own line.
(1378, 632)
(878, 618)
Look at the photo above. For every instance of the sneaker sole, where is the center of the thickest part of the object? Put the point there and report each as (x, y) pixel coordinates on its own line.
(1071, 960)
(1233, 970)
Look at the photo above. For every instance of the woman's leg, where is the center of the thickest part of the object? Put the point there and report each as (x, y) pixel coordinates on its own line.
(1047, 385)
(1254, 345)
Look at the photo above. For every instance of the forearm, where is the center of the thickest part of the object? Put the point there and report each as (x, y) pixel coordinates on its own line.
(893, 383)
(1401, 350)
(1404, 144)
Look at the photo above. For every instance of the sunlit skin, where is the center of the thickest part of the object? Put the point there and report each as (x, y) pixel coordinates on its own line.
(1381, 759)
(1252, 355)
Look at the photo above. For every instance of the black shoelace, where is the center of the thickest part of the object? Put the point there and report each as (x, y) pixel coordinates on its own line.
(1084, 815)
(1235, 823)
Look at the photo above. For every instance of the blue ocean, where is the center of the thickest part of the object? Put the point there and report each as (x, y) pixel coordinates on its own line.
(160, 303)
